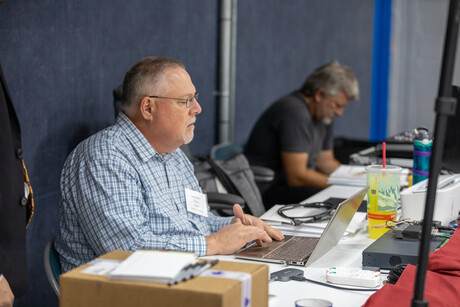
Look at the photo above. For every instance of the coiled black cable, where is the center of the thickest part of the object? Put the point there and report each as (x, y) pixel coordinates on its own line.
(395, 273)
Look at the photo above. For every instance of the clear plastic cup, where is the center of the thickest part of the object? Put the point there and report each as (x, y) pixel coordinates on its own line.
(382, 197)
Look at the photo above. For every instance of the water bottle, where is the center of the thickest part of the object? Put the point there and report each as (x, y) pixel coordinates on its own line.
(423, 142)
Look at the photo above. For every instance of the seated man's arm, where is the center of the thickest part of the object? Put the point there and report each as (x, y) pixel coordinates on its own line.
(326, 162)
(112, 214)
(296, 171)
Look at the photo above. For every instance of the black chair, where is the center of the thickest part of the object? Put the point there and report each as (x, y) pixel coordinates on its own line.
(52, 266)
(263, 176)
(228, 150)
(117, 94)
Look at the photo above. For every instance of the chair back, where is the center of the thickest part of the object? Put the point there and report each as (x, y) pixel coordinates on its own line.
(52, 266)
(117, 94)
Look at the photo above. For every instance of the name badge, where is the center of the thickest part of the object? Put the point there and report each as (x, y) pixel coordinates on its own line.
(196, 202)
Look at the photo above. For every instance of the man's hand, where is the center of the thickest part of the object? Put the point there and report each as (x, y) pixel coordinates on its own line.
(232, 237)
(6, 296)
(247, 219)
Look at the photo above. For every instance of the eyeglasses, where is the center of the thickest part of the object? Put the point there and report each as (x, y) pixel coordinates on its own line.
(337, 105)
(188, 101)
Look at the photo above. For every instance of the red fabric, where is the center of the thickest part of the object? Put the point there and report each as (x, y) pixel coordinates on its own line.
(442, 285)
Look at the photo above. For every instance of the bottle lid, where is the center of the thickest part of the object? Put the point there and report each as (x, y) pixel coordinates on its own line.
(422, 134)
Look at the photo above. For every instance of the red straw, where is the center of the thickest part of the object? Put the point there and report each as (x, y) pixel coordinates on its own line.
(384, 153)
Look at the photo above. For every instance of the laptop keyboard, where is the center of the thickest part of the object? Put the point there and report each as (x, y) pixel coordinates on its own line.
(295, 248)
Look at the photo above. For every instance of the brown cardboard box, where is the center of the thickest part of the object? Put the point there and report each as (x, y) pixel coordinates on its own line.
(79, 289)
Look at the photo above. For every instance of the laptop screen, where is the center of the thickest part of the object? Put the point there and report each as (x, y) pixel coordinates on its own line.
(337, 225)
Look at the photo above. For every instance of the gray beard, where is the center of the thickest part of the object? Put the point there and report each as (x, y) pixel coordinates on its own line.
(188, 138)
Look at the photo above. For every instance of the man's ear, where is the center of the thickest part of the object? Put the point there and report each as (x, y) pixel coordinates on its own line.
(319, 94)
(146, 108)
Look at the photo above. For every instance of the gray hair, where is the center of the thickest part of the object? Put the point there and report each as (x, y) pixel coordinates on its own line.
(146, 75)
(333, 78)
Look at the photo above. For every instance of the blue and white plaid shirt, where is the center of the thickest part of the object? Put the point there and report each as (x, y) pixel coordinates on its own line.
(119, 193)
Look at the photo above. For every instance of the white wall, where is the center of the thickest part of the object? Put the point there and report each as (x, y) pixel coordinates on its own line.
(418, 33)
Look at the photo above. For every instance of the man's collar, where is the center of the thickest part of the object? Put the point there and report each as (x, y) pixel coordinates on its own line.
(140, 144)
(309, 102)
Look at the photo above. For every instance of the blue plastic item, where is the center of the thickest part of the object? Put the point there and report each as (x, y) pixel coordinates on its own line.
(423, 143)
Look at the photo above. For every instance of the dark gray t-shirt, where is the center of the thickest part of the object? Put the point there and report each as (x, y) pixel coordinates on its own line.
(287, 125)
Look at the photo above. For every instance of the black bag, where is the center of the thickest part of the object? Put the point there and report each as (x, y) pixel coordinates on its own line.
(234, 175)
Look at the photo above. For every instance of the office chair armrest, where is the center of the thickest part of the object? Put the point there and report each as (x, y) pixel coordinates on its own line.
(262, 174)
(222, 201)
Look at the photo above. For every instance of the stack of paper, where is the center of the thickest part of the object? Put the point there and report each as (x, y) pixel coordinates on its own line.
(349, 175)
(355, 175)
(156, 266)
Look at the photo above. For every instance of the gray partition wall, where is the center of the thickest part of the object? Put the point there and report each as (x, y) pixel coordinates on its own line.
(61, 60)
(281, 42)
(418, 34)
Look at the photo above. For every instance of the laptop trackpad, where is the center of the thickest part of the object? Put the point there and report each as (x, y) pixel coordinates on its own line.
(295, 249)
(256, 251)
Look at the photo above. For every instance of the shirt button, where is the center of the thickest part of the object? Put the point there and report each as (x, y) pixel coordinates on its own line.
(19, 153)
(23, 201)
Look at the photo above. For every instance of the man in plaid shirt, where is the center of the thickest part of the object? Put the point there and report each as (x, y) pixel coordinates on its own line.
(125, 187)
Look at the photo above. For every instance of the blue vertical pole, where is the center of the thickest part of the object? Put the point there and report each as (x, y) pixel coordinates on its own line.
(380, 70)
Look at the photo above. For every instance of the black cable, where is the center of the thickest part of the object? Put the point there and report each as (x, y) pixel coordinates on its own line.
(297, 220)
(395, 273)
(301, 278)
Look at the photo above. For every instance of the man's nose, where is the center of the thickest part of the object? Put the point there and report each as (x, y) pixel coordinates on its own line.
(196, 107)
(339, 111)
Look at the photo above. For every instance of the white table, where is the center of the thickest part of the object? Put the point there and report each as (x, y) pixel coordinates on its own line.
(347, 254)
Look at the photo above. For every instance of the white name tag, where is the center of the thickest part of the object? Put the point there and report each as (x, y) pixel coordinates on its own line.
(196, 202)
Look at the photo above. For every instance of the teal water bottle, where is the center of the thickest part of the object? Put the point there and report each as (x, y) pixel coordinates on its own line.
(423, 142)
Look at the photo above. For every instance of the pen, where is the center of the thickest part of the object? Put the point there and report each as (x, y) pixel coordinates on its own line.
(205, 267)
(183, 274)
(192, 270)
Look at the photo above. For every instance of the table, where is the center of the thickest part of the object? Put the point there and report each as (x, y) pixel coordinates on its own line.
(347, 254)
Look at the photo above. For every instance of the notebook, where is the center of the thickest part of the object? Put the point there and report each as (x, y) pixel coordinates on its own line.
(152, 265)
(302, 251)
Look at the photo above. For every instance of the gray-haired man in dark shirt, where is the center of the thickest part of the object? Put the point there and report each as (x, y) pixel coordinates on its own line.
(294, 136)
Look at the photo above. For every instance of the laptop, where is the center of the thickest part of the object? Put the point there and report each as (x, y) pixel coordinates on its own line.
(302, 251)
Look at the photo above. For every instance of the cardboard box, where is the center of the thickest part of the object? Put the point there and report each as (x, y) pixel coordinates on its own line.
(79, 289)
